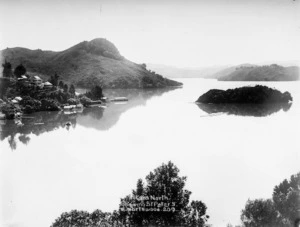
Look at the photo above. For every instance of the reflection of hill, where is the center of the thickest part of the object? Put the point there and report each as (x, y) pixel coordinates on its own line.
(110, 115)
(95, 117)
(256, 110)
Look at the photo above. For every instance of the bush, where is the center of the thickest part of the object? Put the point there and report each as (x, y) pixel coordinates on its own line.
(85, 101)
(72, 101)
(49, 105)
(95, 93)
(9, 110)
(29, 109)
(33, 103)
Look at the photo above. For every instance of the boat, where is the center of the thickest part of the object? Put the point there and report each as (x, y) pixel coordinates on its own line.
(119, 99)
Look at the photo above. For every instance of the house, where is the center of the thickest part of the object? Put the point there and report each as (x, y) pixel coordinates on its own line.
(19, 99)
(36, 80)
(23, 80)
(47, 85)
(15, 101)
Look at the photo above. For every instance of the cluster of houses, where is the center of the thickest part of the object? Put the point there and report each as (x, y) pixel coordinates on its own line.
(35, 81)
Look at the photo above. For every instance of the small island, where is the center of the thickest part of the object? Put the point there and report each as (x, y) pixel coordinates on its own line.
(245, 95)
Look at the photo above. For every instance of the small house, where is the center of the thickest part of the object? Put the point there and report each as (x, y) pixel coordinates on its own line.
(14, 101)
(47, 85)
(36, 80)
(19, 99)
(23, 80)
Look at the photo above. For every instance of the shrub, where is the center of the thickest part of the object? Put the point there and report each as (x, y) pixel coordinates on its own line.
(85, 101)
(72, 101)
(49, 105)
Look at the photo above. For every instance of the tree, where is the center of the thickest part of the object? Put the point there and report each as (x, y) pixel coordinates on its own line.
(86, 219)
(61, 84)
(95, 93)
(65, 88)
(286, 197)
(7, 70)
(164, 190)
(72, 89)
(54, 80)
(259, 213)
(196, 214)
(19, 70)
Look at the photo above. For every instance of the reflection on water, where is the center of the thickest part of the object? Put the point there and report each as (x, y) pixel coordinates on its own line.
(255, 110)
(97, 117)
(37, 123)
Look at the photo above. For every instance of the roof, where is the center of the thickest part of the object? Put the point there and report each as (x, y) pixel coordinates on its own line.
(18, 98)
(48, 84)
(24, 77)
(37, 77)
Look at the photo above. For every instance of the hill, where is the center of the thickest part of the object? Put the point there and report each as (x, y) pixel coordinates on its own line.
(89, 63)
(259, 73)
(176, 72)
(242, 72)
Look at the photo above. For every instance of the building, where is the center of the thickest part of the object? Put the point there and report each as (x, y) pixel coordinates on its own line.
(23, 80)
(47, 85)
(36, 80)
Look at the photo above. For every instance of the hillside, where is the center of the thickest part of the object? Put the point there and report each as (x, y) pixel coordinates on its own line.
(97, 62)
(259, 73)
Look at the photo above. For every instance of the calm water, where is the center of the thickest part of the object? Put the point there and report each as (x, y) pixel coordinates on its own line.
(229, 154)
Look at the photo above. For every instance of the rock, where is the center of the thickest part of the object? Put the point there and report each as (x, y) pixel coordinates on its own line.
(256, 95)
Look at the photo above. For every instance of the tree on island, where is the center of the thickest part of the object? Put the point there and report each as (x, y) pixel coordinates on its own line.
(164, 183)
(7, 69)
(19, 71)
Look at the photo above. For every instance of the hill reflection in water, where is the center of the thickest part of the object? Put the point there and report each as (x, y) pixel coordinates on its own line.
(96, 117)
(254, 110)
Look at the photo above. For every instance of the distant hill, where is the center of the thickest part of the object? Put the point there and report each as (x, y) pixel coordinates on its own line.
(176, 72)
(97, 62)
(243, 72)
(259, 73)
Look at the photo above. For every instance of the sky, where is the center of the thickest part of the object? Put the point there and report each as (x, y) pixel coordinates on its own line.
(182, 33)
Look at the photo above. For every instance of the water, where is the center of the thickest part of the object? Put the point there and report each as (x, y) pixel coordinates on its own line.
(48, 168)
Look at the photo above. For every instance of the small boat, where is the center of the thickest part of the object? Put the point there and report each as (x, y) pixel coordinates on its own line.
(119, 99)
(68, 123)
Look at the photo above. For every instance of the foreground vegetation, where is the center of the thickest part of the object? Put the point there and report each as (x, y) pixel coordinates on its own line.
(283, 210)
(163, 186)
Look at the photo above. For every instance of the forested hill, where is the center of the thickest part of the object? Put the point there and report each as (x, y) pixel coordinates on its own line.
(89, 63)
(260, 73)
